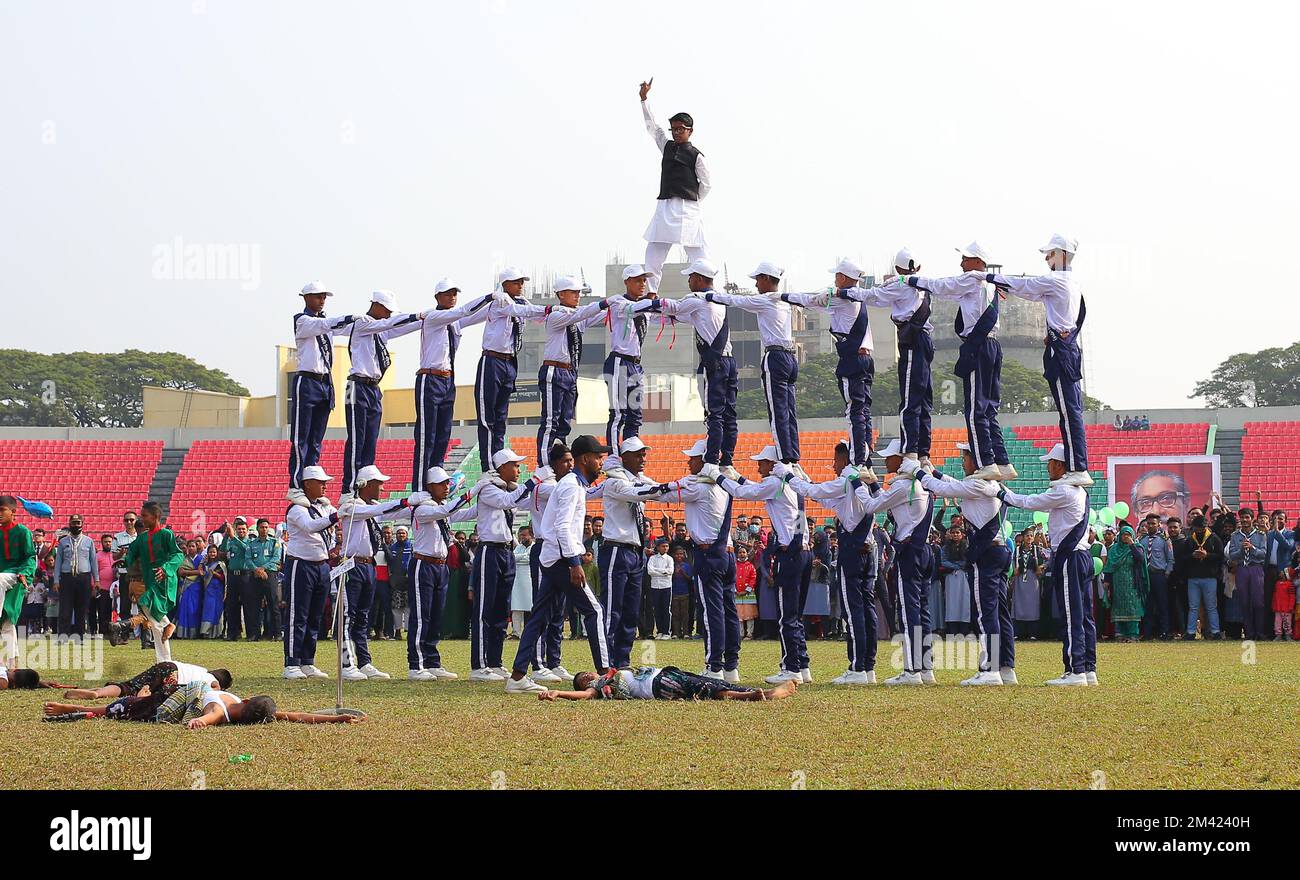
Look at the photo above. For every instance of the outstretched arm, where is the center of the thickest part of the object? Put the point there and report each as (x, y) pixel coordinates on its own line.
(552, 696)
(316, 718)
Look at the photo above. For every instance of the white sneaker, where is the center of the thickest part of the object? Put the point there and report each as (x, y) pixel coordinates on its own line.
(295, 494)
(294, 672)
(1008, 674)
(1009, 473)
(371, 672)
(442, 674)
(312, 672)
(781, 677)
(564, 674)
(913, 456)
(800, 472)
(731, 676)
(805, 676)
(662, 637)
(1092, 677)
(981, 679)
(502, 671)
(852, 677)
(868, 475)
(925, 463)
(346, 497)
(545, 676)
(484, 675)
(524, 685)
(351, 673)
(1077, 478)
(1069, 679)
(927, 677)
(730, 473)
(904, 678)
(988, 472)
(709, 673)
(421, 675)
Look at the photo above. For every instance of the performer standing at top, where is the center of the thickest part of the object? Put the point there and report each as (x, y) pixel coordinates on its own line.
(311, 388)
(854, 369)
(909, 309)
(780, 364)
(435, 383)
(557, 377)
(368, 350)
(498, 366)
(979, 360)
(717, 369)
(627, 329)
(683, 184)
(1062, 354)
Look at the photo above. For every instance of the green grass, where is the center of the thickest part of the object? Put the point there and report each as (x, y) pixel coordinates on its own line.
(1168, 715)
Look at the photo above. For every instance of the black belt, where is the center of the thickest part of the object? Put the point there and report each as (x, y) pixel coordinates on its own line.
(496, 543)
(623, 544)
(636, 359)
(319, 377)
(781, 348)
(364, 380)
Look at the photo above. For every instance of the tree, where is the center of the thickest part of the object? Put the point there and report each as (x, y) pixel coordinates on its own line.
(1264, 378)
(91, 390)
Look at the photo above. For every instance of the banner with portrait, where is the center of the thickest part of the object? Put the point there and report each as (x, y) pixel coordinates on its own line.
(1167, 485)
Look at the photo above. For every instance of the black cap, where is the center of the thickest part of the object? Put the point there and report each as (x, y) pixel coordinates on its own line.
(587, 443)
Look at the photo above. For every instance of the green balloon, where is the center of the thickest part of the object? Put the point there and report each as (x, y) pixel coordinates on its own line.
(1092, 517)
(1007, 528)
(1040, 517)
(1121, 509)
(1107, 516)
(1097, 565)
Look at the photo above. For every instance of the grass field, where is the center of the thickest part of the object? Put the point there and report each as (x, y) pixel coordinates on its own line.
(1168, 715)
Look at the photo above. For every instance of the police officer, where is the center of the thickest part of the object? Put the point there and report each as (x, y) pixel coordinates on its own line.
(264, 555)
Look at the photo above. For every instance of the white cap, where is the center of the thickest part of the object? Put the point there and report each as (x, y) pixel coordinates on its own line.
(963, 447)
(767, 453)
(444, 285)
(384, 298)
(315, 287)
(567, 282)
(505, 455)
(632, 444)
(315, 472)
(1060, 243)
(698, 449)
(510, 273)
(369, 473)
(239, 520)
(1057, 454)
(895, 447)
(701, 267)
(436, 474)
(635, 270)
(767, 268)
(976, 250)
(849, 268)
(904, 259)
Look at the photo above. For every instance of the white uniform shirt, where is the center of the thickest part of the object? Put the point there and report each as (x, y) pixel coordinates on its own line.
(426, 534)
(704, 316)
(557, 322)
(901, 300)
(705, 503)
(848, 505)
(773, 317)
(435, 344)
(313, 334)
(968, 290)
(356, 534)
(498, 333)
(898, 499)
(780, 501)
(623, 493)
(676, 220)
(844, 312)
(1058, 291)
(1066, 507)
(660, 569)
(493, 502)
(308, 533)
(978, 504)
(563, 519)
(623, 338)
(362, 344)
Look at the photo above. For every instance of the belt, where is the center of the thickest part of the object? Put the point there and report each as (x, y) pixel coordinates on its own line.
(496, 543)
(364, 560)
(780, 348)
(563, 365)
(288, 558)
(364, 380)
(430, 371)
(498, 355)
(624, 544)
(636, 359)
(435, 560)
(319, 377)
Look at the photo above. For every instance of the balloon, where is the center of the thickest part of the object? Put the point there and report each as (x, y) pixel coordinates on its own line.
(1097, 565)
(1007, 528)
(1121, 509)
(1092, 517)
(1107, 516)
(1040, 517)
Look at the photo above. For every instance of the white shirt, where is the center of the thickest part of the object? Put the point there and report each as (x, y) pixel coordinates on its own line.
(901, 300)
(356, 534)
(498, 334)
(676, 220)
(780, 501)
(427, 538)
(660, 568)
(1066, 507)
(968, 290)
(564, 519)
(979, 498)
(440, 325)
(705, 503)
(622, 325)
(1058, 291)
(908, 509)
(704, 316)
(313, 334)
(362, 343)
(557, 322)
(188, 673)
(623, 494)
(773, 316)
(493, 502)
(848, 506)
(308, 530)
(844, 312)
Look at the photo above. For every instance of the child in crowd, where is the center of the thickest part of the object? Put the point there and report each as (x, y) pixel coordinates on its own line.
(34, 608)
(682, 577)
(746, 593)
(1284, 605)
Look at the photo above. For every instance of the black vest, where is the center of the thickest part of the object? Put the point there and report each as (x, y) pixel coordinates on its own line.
(677, 178)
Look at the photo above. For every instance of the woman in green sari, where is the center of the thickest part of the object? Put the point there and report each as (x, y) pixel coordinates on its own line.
(1127, 568)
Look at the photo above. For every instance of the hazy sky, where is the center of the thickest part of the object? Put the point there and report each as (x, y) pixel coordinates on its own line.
(387, 144)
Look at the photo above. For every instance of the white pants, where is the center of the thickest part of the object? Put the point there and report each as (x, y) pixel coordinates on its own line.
(162, 648)
(8, 631)
(657, 251)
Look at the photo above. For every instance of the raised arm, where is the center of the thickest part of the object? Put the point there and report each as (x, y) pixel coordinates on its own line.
(307, 326)
(1035, 288)
(957, 287)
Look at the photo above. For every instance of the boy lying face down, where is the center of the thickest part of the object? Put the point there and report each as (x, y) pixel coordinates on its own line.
(667, 683)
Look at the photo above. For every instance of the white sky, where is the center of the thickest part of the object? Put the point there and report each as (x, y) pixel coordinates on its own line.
(387, 144)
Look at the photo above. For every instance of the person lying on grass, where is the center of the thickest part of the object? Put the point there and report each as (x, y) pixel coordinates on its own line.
(668, 683)
(24, 680)
(161, 678)
(194, 705)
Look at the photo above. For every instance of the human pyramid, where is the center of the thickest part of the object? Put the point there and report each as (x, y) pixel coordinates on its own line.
(566, 475)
